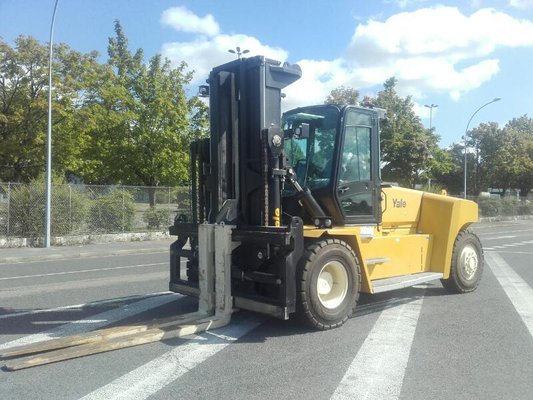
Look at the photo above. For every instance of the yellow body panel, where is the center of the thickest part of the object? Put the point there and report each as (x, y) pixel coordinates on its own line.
(444, 217)
(401, 208)
(417, 234)
(404, 254)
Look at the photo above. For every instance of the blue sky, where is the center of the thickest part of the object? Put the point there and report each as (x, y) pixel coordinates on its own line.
(457, 54)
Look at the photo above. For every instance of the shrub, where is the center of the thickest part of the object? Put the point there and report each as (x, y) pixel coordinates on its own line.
(525, 208)
(435, 188)
(69, 210)
(182, 198)
(489, 207)
(112, 212)
(156, 218)
(509, 207)
(27, 209)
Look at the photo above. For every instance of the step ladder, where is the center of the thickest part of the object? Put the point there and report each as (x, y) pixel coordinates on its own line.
(403, 281)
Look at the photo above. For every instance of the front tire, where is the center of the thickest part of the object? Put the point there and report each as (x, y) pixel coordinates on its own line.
(467, 264)
(328, 284)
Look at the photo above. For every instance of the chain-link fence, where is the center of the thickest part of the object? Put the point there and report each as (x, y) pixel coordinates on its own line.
(497, 206)
(89, 209)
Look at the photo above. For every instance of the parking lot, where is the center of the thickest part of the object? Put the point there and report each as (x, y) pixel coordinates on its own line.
(417, 343)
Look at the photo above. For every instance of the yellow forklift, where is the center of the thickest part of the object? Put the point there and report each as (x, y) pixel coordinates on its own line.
(313, 225)
(290, 217)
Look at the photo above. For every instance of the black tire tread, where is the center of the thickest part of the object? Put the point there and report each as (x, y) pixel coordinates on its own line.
(311, 252)
(453, 284)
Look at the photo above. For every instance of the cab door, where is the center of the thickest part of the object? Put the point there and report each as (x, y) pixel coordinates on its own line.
(358, 178)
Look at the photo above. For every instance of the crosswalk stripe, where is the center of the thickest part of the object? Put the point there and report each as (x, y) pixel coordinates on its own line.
(378, 368)
(149, 378)
(81, 306)
(94, 321)
(518, 291)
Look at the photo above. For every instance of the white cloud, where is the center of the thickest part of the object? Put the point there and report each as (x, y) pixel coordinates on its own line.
(430, 51)
(202, 54)
(521, 4)
(319, 77)
(405, 3)
(435, 49)
(181, 19)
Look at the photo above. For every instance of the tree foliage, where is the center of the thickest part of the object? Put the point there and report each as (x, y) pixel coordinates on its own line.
(409, 151)
(343, 95)
(128, 121)
(24, 106)
(497, 158)
(137, 125)
(519, 145)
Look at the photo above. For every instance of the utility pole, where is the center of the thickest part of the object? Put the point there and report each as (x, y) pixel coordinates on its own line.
(431, 107)
(238, 52)
(49, 138)
(466, 133)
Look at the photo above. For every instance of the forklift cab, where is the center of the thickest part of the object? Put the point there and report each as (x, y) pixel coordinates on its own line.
(337, 159)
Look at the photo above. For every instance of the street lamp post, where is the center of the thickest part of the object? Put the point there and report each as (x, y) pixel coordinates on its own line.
(49, 138)
(466, 133)
(238, 52)
(431, 107)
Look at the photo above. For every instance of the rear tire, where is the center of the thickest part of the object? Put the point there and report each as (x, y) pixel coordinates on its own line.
(467, 264)
(328, 284)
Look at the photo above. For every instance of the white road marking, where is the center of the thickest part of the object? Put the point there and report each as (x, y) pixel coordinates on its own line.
(81, 271)
(378, 369)
(149, 378)
(505, 246)
(98, 321)
(507, 232)
(499, 237)
(515, 252)
(518, 291)
(84, 305)
(52, 258)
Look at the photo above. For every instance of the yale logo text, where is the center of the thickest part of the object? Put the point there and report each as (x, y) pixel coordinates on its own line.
(399, 203)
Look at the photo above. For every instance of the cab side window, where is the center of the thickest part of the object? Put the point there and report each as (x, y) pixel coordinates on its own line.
(355, 172)
(355, 166)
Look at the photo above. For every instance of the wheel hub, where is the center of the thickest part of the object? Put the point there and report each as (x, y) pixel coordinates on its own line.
(332, 284)
(469, 261)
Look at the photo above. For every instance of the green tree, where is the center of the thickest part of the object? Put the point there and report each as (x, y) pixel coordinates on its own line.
(409, 153)
(24, 105)
(483, 142)
(406, 147)
(343, 95)
(136, 117)
(520, 144)
(452, 177)
(502, 157)
(198, 118)
(440, 164)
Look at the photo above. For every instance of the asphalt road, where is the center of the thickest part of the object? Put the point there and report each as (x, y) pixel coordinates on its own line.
(417, 343)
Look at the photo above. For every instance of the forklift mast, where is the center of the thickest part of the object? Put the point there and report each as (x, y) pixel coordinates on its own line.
(241, 182)
(237, 179)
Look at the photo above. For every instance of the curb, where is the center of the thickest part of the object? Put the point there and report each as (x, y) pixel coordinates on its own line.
(80, 254)
(504, 218)
(66, 241)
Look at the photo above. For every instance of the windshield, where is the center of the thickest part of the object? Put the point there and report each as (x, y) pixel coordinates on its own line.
(311, 157)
